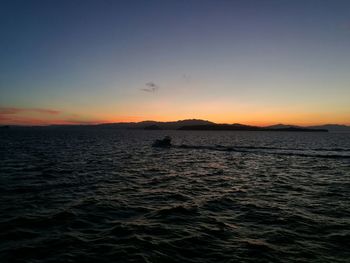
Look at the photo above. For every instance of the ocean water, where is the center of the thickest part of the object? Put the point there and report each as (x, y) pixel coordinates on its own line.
(104, 195)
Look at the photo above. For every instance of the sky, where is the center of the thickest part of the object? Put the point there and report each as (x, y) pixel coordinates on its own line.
(254, 62)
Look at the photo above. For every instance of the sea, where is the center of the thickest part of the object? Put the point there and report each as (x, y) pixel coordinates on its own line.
(79, 194)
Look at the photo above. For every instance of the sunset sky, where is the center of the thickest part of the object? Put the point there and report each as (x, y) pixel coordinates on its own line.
(254, 62)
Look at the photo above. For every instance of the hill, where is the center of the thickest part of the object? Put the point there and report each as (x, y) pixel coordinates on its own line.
(156, 125)
(241, 127)
(332, 127)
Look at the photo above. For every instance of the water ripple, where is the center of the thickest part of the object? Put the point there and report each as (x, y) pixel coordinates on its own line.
(94, 195)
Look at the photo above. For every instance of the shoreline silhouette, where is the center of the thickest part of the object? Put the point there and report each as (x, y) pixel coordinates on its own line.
(197, 125)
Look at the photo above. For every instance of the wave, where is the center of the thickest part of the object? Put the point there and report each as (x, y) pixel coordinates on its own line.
(316, 153)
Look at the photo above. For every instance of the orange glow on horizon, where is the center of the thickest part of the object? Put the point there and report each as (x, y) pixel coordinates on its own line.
(302, 120)
(41, 122)
(31, 117)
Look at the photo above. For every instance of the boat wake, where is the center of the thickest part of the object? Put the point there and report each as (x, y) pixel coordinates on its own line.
(334, 153)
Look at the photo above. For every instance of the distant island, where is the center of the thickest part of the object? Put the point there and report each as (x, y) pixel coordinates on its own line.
(241, 127)
(197, 125)
(202, 125)
(157, 125)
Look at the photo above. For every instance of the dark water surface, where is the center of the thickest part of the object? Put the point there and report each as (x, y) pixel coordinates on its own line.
(94, 195)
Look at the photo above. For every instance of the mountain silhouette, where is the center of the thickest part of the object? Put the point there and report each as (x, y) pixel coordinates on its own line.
(281, 126)
(329, 127)
(241, 127)
(156, 125)
(332, 127)
(197, 124)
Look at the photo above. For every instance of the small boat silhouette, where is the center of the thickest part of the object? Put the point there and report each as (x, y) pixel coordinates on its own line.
(166, 142)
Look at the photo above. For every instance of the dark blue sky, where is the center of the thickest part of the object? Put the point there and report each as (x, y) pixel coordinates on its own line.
(220, 60)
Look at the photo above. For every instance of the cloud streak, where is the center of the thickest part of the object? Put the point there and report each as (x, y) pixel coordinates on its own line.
(39, 116)
(186, 77)
(29, 121)
(13, 110)
(151, 87)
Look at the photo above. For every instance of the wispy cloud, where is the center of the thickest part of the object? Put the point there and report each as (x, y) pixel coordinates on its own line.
(186, 77)
(40, 116)
(29, 121)
(13, 110)
(82, 122)
(151, 87)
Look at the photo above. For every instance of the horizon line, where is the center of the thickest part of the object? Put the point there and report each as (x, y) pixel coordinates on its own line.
(96, 123)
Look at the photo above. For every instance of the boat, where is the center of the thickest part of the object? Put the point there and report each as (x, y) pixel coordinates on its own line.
(165, 143)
